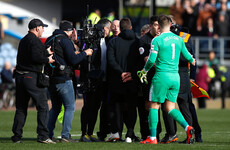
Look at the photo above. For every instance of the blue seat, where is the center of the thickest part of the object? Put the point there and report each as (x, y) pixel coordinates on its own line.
(2, 61)
(4, 53)
(13, 62)
(7, 46)
(13, 53)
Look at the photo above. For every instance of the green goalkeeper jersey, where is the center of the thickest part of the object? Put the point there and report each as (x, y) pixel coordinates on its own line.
(166, 50)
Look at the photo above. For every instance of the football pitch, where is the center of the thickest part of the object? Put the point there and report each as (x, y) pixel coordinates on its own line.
(215, 126)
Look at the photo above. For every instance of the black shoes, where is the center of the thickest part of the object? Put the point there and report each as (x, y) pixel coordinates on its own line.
(169, 139)
(47, 141)
(93, 138)
(69, 140)
(16, 140)
(198, 139)
(85, 138)
(135, 138)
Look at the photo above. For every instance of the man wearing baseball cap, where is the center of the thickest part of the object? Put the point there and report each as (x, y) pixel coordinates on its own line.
(61, 85)
(36, 23)
(31, 57)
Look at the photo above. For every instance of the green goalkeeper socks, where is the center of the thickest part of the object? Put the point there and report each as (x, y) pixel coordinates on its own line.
(153, 120)
(176, 115)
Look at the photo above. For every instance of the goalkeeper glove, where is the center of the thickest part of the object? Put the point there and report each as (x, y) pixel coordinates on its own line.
(142, 75)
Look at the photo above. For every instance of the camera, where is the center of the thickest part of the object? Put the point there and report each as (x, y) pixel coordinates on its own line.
(176, 28)
(89, 36)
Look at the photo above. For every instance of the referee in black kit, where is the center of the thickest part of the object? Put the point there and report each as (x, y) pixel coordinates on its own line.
(32, 55)
(143, 94)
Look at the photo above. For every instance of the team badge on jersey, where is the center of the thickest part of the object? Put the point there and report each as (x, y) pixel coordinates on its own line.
(141, 50)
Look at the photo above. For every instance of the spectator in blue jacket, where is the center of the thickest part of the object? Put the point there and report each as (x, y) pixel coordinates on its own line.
(7, 74)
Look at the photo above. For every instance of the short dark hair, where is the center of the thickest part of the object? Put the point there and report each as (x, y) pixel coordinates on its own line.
(172, 18)
(104, 22)
(125, 23)
(163, 20)
(153, 19)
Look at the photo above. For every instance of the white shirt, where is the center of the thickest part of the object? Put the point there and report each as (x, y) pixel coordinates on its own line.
(103, 56)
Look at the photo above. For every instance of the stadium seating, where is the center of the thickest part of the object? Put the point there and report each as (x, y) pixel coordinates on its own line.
(7, 53)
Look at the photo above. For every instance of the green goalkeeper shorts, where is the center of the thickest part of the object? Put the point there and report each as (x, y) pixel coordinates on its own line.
(164, 86)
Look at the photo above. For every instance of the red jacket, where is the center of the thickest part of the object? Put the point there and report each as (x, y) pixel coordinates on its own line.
(202, 78)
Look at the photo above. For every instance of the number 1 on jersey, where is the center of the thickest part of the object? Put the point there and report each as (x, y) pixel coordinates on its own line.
(173, 50)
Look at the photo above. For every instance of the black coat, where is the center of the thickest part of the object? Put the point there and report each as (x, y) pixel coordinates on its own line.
(32, 54)
(145, 42)
(184, 72)
(94, 62)
(123, 56)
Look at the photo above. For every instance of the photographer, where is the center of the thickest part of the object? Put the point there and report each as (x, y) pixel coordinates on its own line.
(61, 86)
(95, 89)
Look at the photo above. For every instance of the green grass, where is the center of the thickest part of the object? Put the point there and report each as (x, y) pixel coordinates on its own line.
(215, 133)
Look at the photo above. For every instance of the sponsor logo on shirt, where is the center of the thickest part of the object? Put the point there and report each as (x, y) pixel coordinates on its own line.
(152, 48)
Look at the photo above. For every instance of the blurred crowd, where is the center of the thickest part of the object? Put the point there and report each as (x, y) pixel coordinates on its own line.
(203, 17)
(214, 78)
(209, 18)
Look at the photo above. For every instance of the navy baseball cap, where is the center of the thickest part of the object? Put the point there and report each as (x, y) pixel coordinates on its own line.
(66, 26)
(36, 23)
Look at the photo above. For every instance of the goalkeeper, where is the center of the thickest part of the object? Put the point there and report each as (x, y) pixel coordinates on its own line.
(165, 50)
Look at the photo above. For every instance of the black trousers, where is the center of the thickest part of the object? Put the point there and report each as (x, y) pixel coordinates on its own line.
(93, 101)
(26, 88)
(143, 96)
(170, 123)
(143, 117)
(104, 126)
(183, 100)
(195, 122)
(201, 102)
(188, 110)
(224, 89)
(123, 110)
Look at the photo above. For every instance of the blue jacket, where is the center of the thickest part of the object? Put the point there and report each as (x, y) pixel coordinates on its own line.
(69, 58)
(6, 76)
